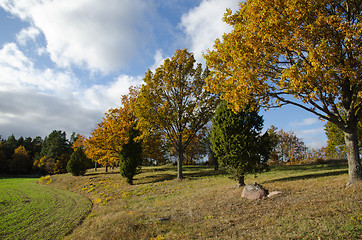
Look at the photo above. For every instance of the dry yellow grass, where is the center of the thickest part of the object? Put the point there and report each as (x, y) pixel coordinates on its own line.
(207, 205)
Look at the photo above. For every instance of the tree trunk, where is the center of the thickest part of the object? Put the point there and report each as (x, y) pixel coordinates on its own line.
(106, 167)
(354, 161)
(241, 180)
(95, 166)
(179, 163)
(216, 167)
(130, 180)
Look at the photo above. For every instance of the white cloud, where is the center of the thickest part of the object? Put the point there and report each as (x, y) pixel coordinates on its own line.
(158, 60)
(16, 70)
(35, 101)
(103, 97)
(25, 112)
(305, 122)
(204, 24)
(27, 34)
(97, 35)
(314, 137)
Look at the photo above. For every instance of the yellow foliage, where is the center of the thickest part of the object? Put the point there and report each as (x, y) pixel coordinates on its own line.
(310, 50)
(111, 134)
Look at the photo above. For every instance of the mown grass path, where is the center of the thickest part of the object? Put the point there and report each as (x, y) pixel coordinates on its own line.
(29, 210)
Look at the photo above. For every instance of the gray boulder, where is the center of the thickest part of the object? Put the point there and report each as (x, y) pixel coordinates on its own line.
(254, 191)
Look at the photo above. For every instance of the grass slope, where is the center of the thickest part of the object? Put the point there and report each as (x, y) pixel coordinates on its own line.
(32, 211)
(315, 203)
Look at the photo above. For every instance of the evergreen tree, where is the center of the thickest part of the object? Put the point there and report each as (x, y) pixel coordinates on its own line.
(237, 142)
(54, 147)
(55, 144)
(3, 160)
(78, 163)
(9, 146)
(131, 156)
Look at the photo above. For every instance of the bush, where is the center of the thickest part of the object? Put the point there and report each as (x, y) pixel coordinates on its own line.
(131, 157)
(78, 163)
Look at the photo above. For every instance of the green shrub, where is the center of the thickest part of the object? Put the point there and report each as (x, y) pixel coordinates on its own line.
(131, 157)
(78, 163)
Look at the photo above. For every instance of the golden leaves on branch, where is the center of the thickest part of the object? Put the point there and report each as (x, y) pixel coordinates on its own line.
(107, 139)
(308, 49)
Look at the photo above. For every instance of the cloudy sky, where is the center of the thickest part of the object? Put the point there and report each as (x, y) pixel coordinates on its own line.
(64, 63)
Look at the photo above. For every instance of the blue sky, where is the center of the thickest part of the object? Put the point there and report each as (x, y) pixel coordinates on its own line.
(64, 63)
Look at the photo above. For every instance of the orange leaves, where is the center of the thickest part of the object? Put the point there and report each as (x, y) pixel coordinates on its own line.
(111, 134)
(79, 142)
(310, 50)
(173, 100)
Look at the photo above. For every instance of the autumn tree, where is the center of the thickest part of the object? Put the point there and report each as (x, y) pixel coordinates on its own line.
(154, 148)
(195, 151)
(237, 141)
(173, 100)
(107, 140)
(20, 163)
(289, 148)
(79, 141)
(304, 53)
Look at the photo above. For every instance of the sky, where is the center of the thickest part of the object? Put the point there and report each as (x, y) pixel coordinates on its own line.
(64, 63)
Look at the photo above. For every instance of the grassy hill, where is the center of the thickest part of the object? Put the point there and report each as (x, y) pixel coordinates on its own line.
(315, 203)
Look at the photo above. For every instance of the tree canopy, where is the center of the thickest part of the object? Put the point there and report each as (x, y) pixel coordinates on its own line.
(304, 53)
(107, 140)
(173, 100)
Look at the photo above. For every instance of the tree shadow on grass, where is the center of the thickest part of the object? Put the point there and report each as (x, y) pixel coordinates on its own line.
(205, 173)
(190, 173)
(101, 173)
(308, 176)
(161, 177)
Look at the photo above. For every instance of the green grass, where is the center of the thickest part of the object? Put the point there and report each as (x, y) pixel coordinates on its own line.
(32, 211)
(315, 203)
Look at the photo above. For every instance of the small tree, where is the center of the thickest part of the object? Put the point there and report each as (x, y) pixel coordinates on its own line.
(20, 162)
(237, 142)
(131, 156)
(78, 163)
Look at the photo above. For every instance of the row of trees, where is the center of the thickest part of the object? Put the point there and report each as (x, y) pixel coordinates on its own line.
(166, 116)
(169, 114)
(304, 53)
(24, 156)
(307, 54)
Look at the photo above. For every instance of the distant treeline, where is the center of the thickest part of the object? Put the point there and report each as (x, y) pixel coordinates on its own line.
(36, 155)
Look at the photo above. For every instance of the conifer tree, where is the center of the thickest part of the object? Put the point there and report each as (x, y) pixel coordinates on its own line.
(78, 163)
(237, 141)
(131, 156)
